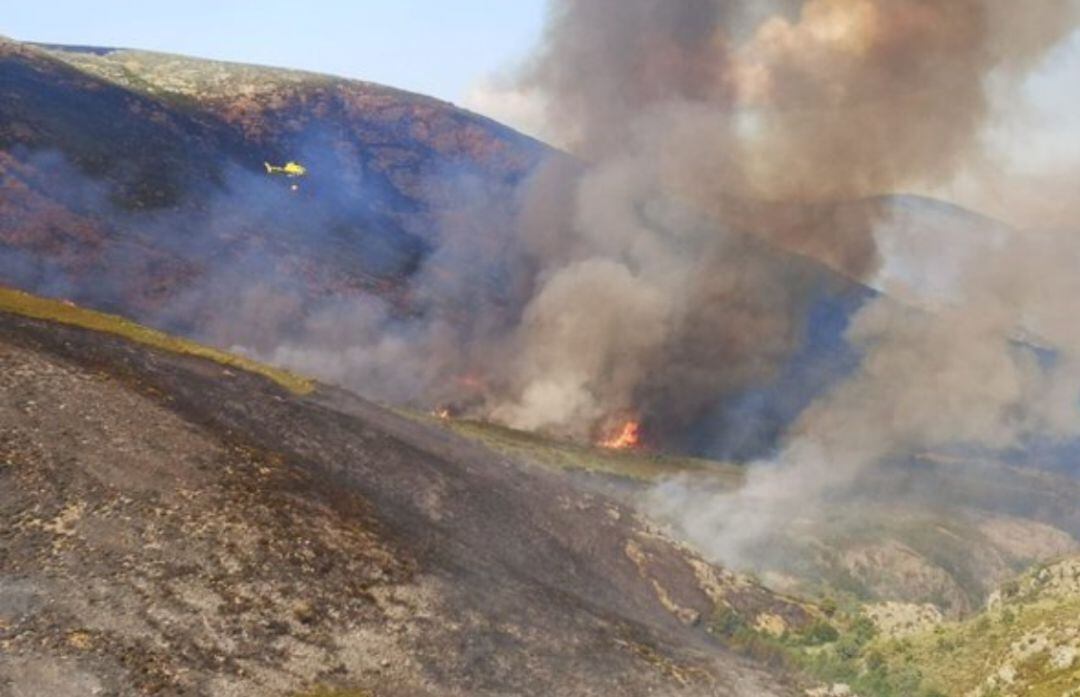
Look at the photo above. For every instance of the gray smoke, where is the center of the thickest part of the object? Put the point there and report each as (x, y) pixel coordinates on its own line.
(663, 280)
(725, 149)
(671, 284)
(993, 369)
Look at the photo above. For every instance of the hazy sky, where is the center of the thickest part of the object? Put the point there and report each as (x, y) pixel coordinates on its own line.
(437, 47)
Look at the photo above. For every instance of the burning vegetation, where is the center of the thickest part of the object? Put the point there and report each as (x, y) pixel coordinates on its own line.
(626, 436)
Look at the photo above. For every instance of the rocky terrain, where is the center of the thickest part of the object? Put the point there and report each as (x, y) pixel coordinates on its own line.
(1025, 642)
(174, 525)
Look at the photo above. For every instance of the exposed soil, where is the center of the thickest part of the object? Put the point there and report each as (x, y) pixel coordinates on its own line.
(173, 527)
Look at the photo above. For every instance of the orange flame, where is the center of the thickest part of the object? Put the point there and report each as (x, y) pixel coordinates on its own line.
(443, 413)
(625, 438)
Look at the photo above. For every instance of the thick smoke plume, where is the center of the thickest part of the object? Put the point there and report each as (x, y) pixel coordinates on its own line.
(822, 98)
(715, 135)
(826, 99)
(993, 370)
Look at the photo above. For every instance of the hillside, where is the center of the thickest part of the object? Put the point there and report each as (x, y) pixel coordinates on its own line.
(875, 549)
(148, 169)
(134, 182)
(1026, 642)
(178, 519)
(175, 524)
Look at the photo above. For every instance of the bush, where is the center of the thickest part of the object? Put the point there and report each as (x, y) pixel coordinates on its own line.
(906, 681)
(726, 622)
(864, 630)
(732, 629)
(820, 632)
(849, 647)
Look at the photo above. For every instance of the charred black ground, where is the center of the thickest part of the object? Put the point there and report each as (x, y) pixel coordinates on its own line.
(172, 526)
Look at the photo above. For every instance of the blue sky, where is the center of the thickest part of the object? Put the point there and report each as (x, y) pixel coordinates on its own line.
(437, 47)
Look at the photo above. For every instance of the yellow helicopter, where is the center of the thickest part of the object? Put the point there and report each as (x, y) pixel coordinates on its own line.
(292, 170)
(289, 169)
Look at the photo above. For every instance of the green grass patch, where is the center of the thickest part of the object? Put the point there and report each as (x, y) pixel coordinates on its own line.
(845, 648)
(36, 307)
(638, 465)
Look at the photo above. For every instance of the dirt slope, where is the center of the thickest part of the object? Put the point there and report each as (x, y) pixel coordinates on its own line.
(174, 526)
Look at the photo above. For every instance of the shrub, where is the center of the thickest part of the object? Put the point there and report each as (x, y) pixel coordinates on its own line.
(818, 633)
(726, 622)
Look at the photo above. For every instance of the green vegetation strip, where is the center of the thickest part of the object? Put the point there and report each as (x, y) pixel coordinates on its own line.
(552, 453)
(1029, 646)
(27, 305)
(843, 649)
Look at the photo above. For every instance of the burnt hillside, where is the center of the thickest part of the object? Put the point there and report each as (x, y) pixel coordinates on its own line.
(176, 526)
(134, 182)
(129, 179)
